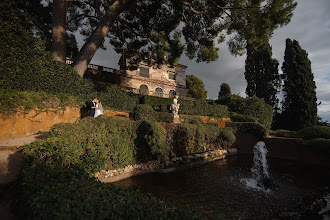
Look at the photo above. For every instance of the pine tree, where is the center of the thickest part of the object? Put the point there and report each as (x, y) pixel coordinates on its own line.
(261, 74)
(299, 108)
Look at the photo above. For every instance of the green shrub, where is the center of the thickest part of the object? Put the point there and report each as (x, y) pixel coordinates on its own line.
(203, 108)
(235, 117)
(226, 137)
(164, 117)
(285, 133)
(150, 142)
(158, 103)
(144, 112)
(69, 193)
(254, 128)
(92, 144)
(314, 132)
(117, 98)
(252, 107)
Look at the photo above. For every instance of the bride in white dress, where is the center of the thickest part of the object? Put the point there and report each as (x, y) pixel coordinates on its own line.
(98, 109)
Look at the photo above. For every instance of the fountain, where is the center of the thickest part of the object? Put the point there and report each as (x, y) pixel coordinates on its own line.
(261, 179)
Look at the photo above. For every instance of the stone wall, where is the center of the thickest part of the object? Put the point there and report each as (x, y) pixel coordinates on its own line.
(158, 78)
(284, 148)
(21, 124)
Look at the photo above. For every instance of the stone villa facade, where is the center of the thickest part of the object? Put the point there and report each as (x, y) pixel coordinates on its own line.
(164, 81)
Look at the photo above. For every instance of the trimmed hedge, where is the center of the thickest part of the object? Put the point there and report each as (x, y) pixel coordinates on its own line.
(314, 132)
(69, 193)
(235, 117)
(254, 128)
(188, 107)
(91, 143)
(252, 107)
(193, 136)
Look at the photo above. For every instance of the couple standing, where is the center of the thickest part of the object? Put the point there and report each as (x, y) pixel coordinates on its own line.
(96, 108)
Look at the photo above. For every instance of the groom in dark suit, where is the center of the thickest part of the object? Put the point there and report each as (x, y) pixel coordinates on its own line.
(92, 106)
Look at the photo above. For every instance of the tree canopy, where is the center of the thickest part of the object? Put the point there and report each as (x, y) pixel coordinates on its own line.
(195, 87)
(224, 90)
(299, 108)
(157, 27)
(261, 74)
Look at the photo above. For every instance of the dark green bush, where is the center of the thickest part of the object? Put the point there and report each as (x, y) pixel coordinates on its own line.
(203, 108)
(69, 193)
(93, 144)
(235, 117)
(226, 137)
(144, 112)
(285, 133)
(117, 98)
(254, 128)
(314, 132)
(150, 142)
(252, 107)
(164, 117)
(159, 104)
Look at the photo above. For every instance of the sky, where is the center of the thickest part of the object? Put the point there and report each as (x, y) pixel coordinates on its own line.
(310, 26)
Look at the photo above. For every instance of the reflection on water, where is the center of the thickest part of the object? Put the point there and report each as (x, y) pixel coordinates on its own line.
(215, 188)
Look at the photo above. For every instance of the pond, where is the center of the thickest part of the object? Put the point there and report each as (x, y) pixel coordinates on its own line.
(216, 188)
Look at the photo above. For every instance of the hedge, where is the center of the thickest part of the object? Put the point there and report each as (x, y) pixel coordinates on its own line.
(252, 107)
(69, 193)
(93, 144)
(254, 128)
(189, 107)
(314, 132)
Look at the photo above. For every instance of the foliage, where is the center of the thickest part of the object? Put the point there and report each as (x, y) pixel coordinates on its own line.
(69, 193)
(193, 136)
(12, 100)
(24, 63)
(285, 133)
(144, 112)
(252, 107)
(299, 108)
(195, 87)
(242, 118)
(189, 107)
(314, 132)
(92, 144)
(255, 26)
(203, 108)
(261, 74)
(116, 98)
(224, 90)
(150, 141)
(155, 27)
(254, 128)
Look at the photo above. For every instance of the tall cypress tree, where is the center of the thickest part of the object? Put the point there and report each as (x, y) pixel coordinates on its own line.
(261, 74)
(299, 108)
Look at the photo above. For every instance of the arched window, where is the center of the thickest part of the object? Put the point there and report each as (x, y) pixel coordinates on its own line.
(172, 93)
(144, 89)
(159, 92)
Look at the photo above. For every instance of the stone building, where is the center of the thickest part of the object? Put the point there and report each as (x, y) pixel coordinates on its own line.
(163, 81)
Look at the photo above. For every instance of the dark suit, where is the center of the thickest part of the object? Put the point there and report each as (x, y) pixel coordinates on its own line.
(92, 110)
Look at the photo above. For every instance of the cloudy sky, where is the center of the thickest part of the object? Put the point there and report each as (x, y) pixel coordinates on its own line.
(310, 26)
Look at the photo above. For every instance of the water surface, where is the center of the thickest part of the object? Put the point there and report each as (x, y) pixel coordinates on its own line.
(216, 188)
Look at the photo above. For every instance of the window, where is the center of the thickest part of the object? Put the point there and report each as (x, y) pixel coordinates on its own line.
(144, 89)
(159, 92)
(172, 93)
(144, 72)
(171, 75)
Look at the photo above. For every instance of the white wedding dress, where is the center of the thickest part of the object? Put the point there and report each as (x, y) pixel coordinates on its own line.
(98, 111)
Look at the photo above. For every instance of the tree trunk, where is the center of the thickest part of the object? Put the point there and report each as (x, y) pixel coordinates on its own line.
(59, 30)
(87, 52)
